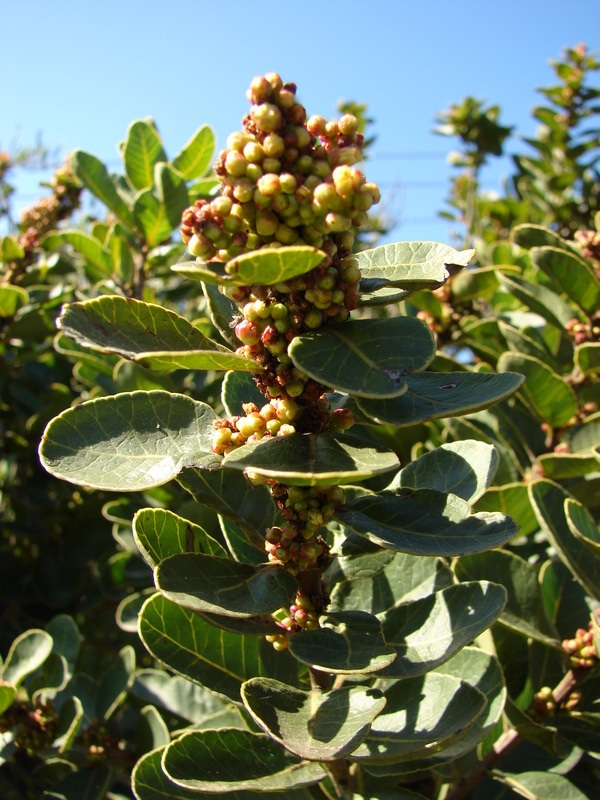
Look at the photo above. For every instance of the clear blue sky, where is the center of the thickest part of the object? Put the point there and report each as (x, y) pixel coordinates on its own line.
(77, 73)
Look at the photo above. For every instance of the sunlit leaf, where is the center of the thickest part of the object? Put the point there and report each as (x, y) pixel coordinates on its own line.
(129, 442)
(194, 158)
(142, 150)
(160, 533)
(366, 358)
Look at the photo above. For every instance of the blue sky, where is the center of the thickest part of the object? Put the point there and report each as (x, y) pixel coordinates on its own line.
(78, 73)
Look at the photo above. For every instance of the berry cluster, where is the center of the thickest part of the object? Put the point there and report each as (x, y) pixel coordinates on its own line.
(589, 241)
(302, 615)
(305, 510)
(273, 419)
(286, 180)
(46, 213)
(581, 332)
(581, 649)
(32, 728)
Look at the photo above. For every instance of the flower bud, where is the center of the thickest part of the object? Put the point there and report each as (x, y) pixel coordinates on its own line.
(267, 117)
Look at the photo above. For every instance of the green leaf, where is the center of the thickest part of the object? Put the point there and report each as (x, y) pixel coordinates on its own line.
(149, 782)
(542, 786)
(143, 149)
(422, 714)
(87, 246)
(231, 759)
(477, 283)
(95, 177)
(230, 494)
(273, 265)
(10, 249)
(465, 469)
(214, 585)
(425, 522)
(524, 612)
(548, 395)
(314, 725)
(312, 459)
(8, 692)
(548, 500)
(549, 305)
(26, 654)
(376, 582)
(431, 395)
(171, 192)
(513, 498)
(529, 236)
(365, 358)
(121, 254)
(160, 533)
(427, 632)
(347, 642)
(567, 465)
(237, 389)
(573, 274)
(148, 333)
(115, 682)
(129, 442)
(222, 310)
(410, 265)
(587, 358)
(12, 298)
(212, 657)
(582, 525)
(194, 158)
(152, 218)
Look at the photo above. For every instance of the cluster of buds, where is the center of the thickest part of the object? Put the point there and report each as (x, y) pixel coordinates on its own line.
(543, 705)
(273, 419)
(589, 241)
(302, 615)
(99, 745)
(47, 212)
(581, 332)
(581, 649)
(32, 728)
(305, 510)
(286, 180)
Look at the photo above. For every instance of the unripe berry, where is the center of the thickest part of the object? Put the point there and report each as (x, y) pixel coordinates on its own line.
(266, 223)
(259, 91)
(316, 124)
(269, 185)
(336, 222)
(254, 172)
(275, 80)
(313, 318)
(248, 332)
(270, 164)
(348, 125)
(267, 117)
(243, 189)
(235, 164)
(273, 145)
(237, 141)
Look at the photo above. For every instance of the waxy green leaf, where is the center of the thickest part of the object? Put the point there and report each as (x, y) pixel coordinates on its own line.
(547, 394)
(365, 358)
(421, 716)
(152, 218)
(86, 245)
(95, 177)
(213, 585)
(549, 501)
(572, 274)
(587, 357)
(12, 298)
(425, 522)
(347, 642)
(583, 525)
(462, 468)
(536, 785)
(129, 442)
(26, 654)
(432, 395)
(143, 148)
(314, 725)
(540, 299)
(210, 656)
(410, 265)
(235, 760)
(529, 236)
(194, 158)
(147, 333)
(312, 459)
(427, 632)
(160, 533)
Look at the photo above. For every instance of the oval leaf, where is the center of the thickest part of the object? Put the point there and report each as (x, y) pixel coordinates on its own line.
(582, 525)
(95, 177)
(235, 760)
(193, 160)
(272, 265)
(425, 522)
(421, 715)
(465, 469)
(365, 358)
(12, 298)
(432, 395)
(129, 442)
(427, 632)
(315, 725)
(312, 459)
(348, 642)
(220, 586)
(26, 654)
(573, 274)
(142, 150)
(160, 533)
(410, 265)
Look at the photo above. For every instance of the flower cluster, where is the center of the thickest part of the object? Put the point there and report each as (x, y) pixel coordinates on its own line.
(581, 649)
(47, 212)
(303, 614)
